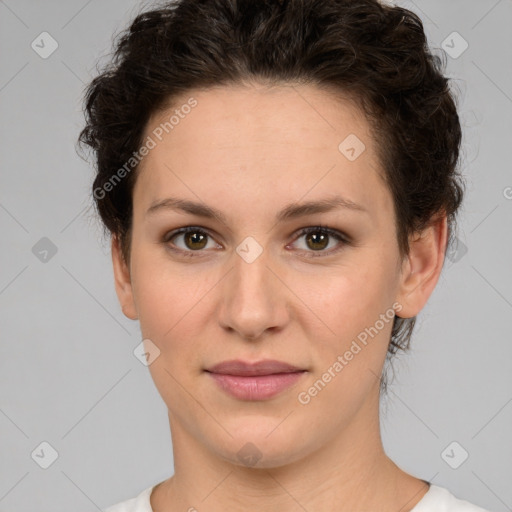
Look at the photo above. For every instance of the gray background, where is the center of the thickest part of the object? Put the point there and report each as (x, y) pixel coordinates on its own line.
(68, 375)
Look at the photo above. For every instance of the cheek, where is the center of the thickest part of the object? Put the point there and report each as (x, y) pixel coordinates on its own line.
(347, 298)
(350, 355)
(350, 302)
(172, 300)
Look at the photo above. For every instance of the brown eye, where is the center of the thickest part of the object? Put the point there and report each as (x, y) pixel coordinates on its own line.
(195, 240)
(189, 239)
(319, 238)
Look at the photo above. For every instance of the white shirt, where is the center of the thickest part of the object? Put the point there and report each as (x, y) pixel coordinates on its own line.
(436, 499)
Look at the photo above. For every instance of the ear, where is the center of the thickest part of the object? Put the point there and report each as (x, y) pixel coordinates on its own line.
(422, 267)
(123, 281)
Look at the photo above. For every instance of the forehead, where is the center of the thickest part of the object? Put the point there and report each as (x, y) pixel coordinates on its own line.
(261, 141)
(262, 115)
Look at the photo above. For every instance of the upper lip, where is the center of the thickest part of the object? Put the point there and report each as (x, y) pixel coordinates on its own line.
(243, 368)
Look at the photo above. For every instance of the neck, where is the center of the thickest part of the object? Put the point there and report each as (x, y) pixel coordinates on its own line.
(350, 472)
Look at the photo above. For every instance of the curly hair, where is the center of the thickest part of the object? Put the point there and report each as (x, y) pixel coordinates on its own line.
(376, 54)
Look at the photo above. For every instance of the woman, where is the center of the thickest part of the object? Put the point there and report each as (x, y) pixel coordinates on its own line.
(279, 180)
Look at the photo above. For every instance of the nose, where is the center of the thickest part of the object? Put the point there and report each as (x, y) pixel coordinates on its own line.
(254, 299)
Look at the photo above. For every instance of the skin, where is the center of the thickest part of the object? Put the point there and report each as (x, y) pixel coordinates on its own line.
(249, 151)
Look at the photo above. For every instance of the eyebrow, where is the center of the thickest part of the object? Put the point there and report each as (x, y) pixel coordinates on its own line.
(291, 211)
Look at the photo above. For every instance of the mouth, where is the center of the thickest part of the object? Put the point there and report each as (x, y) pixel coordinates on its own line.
(255, 381)
(248, 369)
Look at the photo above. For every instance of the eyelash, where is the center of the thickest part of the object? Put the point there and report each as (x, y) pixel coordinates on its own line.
(324, 230)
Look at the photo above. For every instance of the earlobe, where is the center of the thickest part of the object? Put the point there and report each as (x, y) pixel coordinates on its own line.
(122, 280)
(422, 267)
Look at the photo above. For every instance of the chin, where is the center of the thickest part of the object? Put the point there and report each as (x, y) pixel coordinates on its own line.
(264, 446)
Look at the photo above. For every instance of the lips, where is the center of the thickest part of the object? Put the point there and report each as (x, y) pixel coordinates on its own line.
(247, 369)
(262, 380)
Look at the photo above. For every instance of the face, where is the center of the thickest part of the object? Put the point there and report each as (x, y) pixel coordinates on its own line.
(264, 277)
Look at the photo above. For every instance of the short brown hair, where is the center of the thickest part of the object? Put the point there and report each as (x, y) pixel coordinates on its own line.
(376, 53)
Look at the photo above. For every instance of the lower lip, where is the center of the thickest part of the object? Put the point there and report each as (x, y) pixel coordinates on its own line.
(256, 387)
